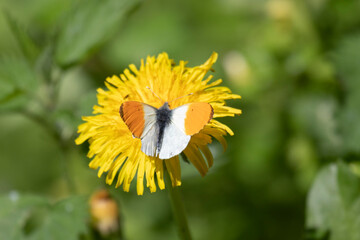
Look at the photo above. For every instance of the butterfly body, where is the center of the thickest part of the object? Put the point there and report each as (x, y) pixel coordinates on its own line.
(165, 132)
(163, 119)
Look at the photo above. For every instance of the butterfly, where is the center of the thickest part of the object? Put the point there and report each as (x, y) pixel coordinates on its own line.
(165, 132)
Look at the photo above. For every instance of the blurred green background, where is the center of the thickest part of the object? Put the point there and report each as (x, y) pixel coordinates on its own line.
(291, 170)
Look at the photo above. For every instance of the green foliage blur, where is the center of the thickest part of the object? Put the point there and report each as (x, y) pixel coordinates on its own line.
(292, 169)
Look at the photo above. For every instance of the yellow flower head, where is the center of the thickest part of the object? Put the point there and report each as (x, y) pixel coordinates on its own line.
(112, 145)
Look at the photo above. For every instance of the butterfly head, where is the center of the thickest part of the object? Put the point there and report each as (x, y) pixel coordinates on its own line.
(163, 114)
(165, 106)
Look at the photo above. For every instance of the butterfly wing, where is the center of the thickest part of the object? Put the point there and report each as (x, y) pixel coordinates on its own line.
(186, 121)
(174, 141)
(150, 137)
(137, 116)
(197, 116)
(140, 118)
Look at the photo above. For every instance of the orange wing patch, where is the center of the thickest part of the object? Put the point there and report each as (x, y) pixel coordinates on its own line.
(197, 116)
(133, 115)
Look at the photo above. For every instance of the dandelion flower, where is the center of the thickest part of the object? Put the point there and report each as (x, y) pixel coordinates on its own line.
(115, 150)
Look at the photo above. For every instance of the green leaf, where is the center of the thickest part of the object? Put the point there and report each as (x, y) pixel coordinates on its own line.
(315, 115)
(14, 212)
(88, 26)
(67, 219)
(347, 60)
(333, 203)
(16, 78)
(349, 184)
(27, 45)
(349, 125)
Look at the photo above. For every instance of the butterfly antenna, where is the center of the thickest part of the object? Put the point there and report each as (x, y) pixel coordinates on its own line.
(181, 97)
(154, 93)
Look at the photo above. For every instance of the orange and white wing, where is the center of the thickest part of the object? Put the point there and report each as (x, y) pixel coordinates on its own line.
(193, 117)
(140, 118)
(186, 121)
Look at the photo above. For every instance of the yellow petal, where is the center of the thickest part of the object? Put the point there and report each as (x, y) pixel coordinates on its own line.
(196, 159)
(173, 168)
(140, 175)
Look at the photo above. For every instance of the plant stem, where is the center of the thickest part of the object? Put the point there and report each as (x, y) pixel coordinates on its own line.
(65, 154)
(65, 150)
(178, 208)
